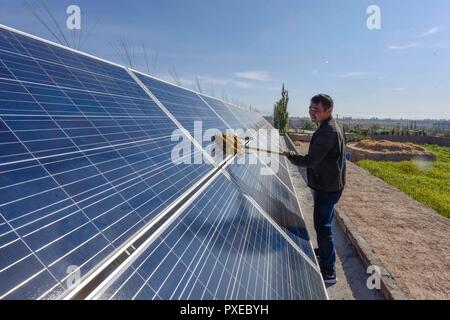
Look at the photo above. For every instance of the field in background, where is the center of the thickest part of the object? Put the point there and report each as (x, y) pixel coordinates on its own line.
(427, 183)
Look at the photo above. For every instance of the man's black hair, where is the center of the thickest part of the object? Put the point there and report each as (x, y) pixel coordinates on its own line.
(324, 99)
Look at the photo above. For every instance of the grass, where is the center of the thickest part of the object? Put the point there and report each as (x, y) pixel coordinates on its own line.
(429, 184)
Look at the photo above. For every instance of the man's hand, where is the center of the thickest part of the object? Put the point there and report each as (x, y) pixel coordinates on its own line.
(290, 153)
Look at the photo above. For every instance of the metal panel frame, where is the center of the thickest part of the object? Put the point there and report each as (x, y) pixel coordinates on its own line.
(198, 187)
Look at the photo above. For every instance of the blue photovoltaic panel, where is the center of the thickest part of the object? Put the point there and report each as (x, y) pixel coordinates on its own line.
(84, 72)
(220, 247)
(251, 119)
(224, 112)
(241, 115)
(274, 197)
(186, 106)
(284, 172)
(85, 162)
(271, 140)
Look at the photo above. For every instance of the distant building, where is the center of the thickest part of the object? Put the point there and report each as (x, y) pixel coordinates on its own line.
(442, 126)
(294, 122)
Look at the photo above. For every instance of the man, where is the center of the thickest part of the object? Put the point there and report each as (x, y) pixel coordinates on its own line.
(325, 163)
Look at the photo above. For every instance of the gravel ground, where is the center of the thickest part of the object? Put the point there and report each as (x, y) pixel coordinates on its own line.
(411, 239)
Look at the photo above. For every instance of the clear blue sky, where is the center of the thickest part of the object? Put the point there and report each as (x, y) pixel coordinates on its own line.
(247, 49)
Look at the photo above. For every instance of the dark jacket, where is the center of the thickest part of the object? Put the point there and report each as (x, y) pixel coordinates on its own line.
(325, 160)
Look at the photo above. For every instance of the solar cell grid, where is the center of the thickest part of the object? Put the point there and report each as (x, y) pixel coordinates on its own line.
(227, 115)
(251, 119)
(274, 197)
(86, 163)
(218, 248)
(187, 107)
(82, 170)
(270, 139)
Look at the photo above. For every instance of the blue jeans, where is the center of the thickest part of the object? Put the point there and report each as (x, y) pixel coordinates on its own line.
(324, 203)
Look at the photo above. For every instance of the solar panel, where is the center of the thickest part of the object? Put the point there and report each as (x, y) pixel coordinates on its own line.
(187, 107)
(220, 247)
(270, 139)
(225, 113)
(274, 197)
(82, 167)
(251, 119)
(88, 187)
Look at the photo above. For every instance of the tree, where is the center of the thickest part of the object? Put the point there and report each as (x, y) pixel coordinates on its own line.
(358, 129)
(275, 116)
(308, 125)
(373, 129)
(280, 114)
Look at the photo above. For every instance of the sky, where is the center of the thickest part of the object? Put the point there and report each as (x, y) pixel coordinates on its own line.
(246, 50)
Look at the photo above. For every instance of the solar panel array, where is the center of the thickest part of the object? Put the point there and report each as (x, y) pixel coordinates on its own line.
(86, 167)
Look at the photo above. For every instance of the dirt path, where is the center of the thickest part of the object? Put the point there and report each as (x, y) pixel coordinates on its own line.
(411, 239)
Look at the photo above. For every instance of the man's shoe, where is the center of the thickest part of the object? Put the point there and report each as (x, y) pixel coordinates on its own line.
(329, 278)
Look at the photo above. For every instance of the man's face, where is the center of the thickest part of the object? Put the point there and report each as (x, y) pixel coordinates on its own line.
(317, 112)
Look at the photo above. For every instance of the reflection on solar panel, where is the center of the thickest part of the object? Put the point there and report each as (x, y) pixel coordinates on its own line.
(92, 205)
(272, 142)
(275, 198)
(220, 247)
(85, 165)
(226, 114)
(186, 106)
